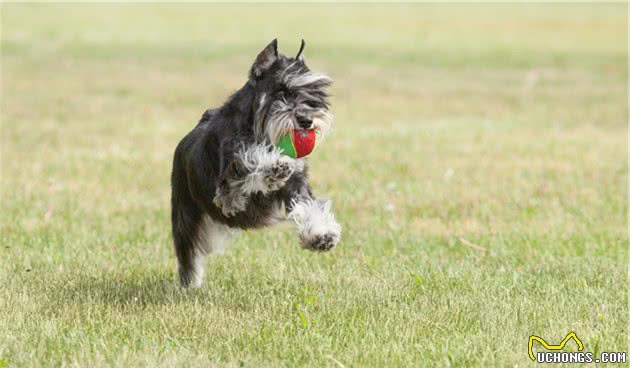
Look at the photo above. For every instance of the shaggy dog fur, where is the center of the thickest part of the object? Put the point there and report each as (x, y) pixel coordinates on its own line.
(228, 174)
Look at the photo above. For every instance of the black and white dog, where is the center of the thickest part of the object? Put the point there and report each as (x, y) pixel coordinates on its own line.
(228, 175)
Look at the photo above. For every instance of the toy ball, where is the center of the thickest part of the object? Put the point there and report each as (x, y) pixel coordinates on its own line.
(298, 143)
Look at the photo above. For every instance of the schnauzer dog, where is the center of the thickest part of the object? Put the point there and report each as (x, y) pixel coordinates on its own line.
(228, 174)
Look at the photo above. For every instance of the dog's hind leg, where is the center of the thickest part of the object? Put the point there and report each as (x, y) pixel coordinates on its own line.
(186, 222)
(196, 235)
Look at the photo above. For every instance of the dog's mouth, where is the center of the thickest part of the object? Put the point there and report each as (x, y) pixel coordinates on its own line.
(321, 125)
(282, 124)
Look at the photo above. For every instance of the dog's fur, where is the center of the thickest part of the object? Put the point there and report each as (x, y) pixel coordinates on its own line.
(228, 175)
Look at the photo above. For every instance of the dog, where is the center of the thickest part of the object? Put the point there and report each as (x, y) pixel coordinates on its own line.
(228, 175)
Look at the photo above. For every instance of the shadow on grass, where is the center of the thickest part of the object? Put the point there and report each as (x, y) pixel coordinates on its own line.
(140, 289)
(124, 289)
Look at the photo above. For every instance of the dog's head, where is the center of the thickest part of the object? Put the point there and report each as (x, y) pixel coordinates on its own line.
(288, 95)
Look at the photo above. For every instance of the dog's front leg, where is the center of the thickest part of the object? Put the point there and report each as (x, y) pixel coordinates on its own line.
(316, 225)
(255, 169)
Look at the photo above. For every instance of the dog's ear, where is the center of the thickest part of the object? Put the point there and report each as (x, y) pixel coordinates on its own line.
(300, 54)
(265, 59)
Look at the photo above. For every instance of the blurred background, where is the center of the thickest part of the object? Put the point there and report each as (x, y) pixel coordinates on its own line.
(479, 156)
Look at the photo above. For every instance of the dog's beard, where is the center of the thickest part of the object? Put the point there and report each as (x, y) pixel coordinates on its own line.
(322, 124)
(281, 120)
(274, 124)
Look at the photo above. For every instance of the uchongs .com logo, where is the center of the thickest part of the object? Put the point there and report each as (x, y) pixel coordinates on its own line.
(556, 353)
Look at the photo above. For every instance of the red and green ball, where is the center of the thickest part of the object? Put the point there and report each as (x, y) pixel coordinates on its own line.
(298, 143)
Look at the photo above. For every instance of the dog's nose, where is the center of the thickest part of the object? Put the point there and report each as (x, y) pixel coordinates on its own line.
(304, 123)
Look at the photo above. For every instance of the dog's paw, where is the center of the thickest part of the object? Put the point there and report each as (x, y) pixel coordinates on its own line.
(278, 173)
(229, 203)
(321, 242)
(317, 228)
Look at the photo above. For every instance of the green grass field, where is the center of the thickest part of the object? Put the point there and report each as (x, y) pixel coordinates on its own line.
(478, 167)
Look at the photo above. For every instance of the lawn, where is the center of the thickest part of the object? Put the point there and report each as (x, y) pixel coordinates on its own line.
(478, 167)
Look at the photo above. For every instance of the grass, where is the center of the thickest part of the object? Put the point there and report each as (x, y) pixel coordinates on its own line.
(478, 167)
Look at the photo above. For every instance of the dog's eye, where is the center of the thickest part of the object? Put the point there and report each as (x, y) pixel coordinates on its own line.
(313, 104)
(284, 92)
